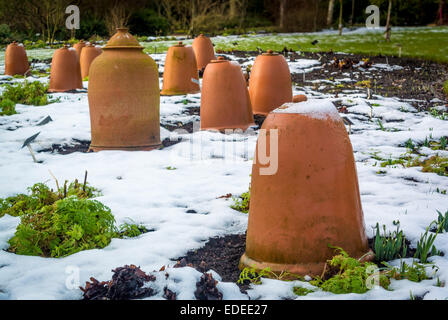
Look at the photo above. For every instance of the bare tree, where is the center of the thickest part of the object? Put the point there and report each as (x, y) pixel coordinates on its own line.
(282, 14)
(340, 16)
(440, 12)
(388, 27)
(316, 14)
(352, 16)
(117, 17)
(330, 12)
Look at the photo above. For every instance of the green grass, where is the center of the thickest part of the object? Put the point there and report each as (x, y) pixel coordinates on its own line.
(445, 87)
(430, 43)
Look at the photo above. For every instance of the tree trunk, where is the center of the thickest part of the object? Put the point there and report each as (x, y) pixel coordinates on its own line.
(316, 14)
(340, 16)
(440, 12)
(330, 12)
(233, 9)
(352, 16)
(282, 14)
(388, 27)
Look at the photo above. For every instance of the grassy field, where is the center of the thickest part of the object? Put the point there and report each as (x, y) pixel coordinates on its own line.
(423, 42)
(430, 43)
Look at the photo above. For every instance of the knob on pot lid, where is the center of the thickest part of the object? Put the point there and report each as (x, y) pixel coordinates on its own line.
(122, 39)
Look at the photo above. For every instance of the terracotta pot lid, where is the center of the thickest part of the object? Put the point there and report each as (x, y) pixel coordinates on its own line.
(123, 39)
(270, 53)
(220, 59)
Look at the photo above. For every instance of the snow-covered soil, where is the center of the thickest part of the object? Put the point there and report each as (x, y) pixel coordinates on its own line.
(138, 186)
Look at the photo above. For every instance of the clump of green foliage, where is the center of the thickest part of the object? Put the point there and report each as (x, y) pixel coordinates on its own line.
(66, 227)
(442, 221)
(7, 107)
(242, 202)
(29, 93)
(415, 272)
(301, 291)
(63, 222)
(40, 195)
(389, 246)
(425, 246)
(131, 230)
(436, 164)
(351, 275)
(253, 275)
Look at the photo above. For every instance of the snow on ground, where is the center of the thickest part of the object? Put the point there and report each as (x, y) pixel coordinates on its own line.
(138, 186)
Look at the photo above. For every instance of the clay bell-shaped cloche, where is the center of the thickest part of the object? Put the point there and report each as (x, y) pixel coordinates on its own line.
(124, 97)
(65, 74)
(270, 83)
(307, 197)
(16, 60)
(88, 54)
(79, 46)
(180, 75)
(225, 102)
(203, 51)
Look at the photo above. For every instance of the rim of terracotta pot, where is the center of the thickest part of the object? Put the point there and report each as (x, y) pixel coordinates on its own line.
(122, 39)
(93, 148)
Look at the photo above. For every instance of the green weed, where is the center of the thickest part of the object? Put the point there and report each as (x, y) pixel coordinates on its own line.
(7, 107)
(389, 246)
(241, 203)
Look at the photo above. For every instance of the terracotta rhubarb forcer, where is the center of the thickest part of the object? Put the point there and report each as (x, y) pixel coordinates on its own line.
(65, 74)
(88, 54)
(269, 83)
(225, 102)
(124, 98)
(203, 51)
(180, 75)
(311, 201)
(79, 46)
(16, 60)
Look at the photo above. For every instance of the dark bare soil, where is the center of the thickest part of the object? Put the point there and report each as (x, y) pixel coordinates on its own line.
(83, 146)
(222, 254)
(419, 79)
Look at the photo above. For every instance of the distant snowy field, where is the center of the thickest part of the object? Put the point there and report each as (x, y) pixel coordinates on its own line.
(137, 186)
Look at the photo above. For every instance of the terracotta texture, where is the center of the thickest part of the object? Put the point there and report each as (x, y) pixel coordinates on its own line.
(299, 98)
(65, 71)
(180, 75)
(312, 201)
(269, 83)
(203, 51)
(79, 46)
(225, 102)
(124, 97)
(88, 54)
(16, 60)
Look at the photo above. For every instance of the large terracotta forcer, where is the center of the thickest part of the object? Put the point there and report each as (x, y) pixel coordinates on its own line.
(225, 102)
(124, 98)
(270, 83)
(312, 200)
(180, 75)
(203, 51)
(79, 46)
(88, 54)
(16, 60)
(65, 74)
